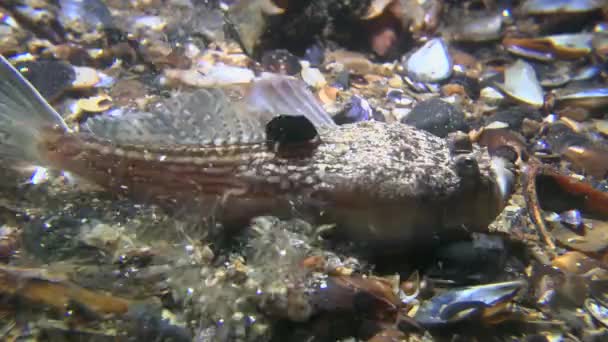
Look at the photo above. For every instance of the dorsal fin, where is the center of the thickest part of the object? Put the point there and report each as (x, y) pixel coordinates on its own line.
(205, 116)
(209, 116)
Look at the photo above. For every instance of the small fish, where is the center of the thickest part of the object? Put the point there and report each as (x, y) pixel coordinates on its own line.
(379, 182)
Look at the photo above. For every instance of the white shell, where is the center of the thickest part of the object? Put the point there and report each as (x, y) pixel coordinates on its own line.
(522, 84)
(431, 63)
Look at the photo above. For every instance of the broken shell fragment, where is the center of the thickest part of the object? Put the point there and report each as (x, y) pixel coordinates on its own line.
(562, 46)
(573, 220)
(37, 286)
(592, 160)
(474, 302)
(218, 75)
(591, 99)
(522, 85)
(486, 28)
(313, 77)
(560, 6)
(95, 104)
(597, 310)
(376, 8)
(431, 63)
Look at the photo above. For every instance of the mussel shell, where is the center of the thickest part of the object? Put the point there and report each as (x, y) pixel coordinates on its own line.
(559, 6)
(595, 98)
(597, 310)
(465, 303)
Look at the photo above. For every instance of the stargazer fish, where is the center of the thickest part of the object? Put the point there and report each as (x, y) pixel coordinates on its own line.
(376, 181)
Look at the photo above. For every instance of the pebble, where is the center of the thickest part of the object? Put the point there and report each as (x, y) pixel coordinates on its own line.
(491, 96)
(51, 78)
(328, 94)
(395, 82)
(437, 117)
(352, 61)
(281, 62)
(85, 78)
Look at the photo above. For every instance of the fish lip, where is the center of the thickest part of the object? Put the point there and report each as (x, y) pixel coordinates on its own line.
(503, 173)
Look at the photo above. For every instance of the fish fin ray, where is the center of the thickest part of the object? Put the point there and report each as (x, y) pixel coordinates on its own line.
(282, 95)
(23, 114)
(210, 116)
(202, 117)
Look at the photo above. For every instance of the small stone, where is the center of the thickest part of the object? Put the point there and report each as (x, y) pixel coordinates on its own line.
(281, 62)
(51, 78)
(491, 96)
(328, 94)
(85, 78)
(437, 117)
(395, 81)
(352, 61)
(514, 116)
(315, 55)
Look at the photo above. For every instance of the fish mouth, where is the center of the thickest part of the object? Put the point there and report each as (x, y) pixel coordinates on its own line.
(503, 172)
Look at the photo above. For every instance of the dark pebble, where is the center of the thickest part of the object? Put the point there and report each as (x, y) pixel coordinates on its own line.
(514, 116)
(470, 85)
(281, 62)
(342, 80)
(559, 137)
(50, 77)
(315, 55)
(437, 117)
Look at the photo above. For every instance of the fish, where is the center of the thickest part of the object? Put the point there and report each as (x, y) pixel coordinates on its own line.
(376, 182)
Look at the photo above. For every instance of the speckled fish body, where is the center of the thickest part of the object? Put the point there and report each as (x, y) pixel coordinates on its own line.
(377, 181)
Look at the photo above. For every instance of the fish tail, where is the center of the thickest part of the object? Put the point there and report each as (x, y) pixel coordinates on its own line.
(24, 113)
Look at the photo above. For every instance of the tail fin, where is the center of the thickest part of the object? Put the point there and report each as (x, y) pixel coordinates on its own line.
(23, 113)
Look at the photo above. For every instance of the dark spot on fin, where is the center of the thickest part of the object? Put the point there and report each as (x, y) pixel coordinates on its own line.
(283, 95)
(213, 116)
(290, 136)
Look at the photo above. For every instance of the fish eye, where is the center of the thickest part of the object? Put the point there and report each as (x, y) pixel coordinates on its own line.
(467, 167)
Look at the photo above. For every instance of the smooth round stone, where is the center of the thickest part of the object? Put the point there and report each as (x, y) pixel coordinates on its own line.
(431, 63)
(437, 117)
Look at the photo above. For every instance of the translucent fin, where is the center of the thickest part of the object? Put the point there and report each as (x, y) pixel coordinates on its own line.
(205, 116)
(23, 113)
(209, 116)
(283, 95)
